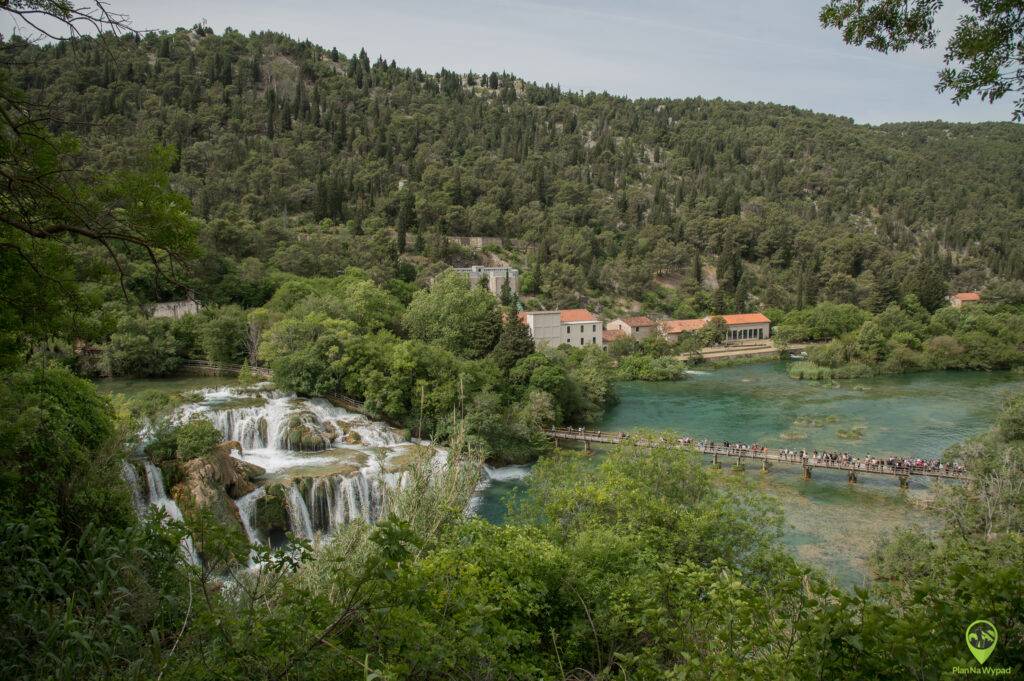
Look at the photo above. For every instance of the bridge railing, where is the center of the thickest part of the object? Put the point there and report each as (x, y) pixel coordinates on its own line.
(223, 369)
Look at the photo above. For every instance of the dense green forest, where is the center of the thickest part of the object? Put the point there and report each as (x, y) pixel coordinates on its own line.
(305, 197)
(301, 160)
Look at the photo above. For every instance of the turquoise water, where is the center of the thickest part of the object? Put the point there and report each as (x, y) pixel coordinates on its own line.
(829, 522)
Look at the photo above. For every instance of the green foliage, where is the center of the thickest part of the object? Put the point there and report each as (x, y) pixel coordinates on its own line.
(340, 163)
(57, 450)
(648, 368)
(222, 332)
(456, 316)
(821, 322)
(196, 438)
(905, 338)
(142, 347)
(513, 344)
(982, 56)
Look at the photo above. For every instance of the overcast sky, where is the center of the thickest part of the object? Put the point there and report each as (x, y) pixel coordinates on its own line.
(749, 50)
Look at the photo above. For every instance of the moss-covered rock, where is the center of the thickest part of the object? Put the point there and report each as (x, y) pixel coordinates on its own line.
(304, 433)
(211, 482)
(271, 514)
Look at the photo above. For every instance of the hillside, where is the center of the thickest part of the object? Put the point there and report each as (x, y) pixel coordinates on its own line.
(302, 160)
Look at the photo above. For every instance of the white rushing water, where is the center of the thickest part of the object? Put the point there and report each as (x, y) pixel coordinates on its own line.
(158, 497)
(336, 466)
(491, 475)
(130, 476)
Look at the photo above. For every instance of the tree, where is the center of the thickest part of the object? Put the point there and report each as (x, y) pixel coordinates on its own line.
(461, 318)
(984, 56)
(258, 321)
(513, 344)
(925, 281)
(223, 333)
(714, 332)
(507, 297)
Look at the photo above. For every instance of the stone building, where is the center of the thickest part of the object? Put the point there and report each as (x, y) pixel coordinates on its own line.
(575, 327)
(637, 327)
(496, 277)
(739, 327)
(965, 297)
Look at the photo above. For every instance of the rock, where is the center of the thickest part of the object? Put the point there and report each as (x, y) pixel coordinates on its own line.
(271, 515)
(304, 433)
(353, 438)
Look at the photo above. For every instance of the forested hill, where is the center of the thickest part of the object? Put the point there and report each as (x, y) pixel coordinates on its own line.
(303, 160)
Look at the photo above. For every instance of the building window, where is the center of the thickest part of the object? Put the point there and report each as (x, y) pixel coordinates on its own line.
(581, 341)
(568, 329)
(593, 327)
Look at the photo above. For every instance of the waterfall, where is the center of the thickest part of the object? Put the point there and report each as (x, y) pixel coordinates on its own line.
(158, 497)
(131, 477)
(247, 513)
(328, 459)
(331, 501)
(298, 514)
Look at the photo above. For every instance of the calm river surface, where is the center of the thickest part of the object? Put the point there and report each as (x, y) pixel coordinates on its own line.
(829, 522)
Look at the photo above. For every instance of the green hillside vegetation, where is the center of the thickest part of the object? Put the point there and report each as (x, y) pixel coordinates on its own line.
(300, 160)
(904, 337)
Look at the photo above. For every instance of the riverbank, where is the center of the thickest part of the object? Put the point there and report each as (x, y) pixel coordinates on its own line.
(754, 349)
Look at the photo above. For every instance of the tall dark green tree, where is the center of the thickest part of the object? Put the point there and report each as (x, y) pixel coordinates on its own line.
(514, 343)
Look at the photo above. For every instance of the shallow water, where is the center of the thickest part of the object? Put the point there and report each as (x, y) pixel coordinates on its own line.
(828, 522)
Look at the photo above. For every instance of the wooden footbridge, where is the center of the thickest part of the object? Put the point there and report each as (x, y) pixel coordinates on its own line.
(763, 454)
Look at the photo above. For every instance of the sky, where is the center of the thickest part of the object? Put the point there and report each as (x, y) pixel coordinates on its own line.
(746, 50)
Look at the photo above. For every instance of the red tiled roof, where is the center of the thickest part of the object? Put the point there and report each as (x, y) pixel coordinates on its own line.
(749, 318)
(682, 325)
(967, 296)
(577, 315)
(639, 321)
(611, 335)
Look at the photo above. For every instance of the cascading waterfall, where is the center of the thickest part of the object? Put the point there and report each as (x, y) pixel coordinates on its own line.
(158, 497)
(328, 460)
(298, 514)
(333, 501)
(246, 513)
(131, 477)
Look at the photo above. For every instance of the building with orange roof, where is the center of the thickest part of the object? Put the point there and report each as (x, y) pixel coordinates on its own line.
(958, 299)
(610, 336)
(576, 315)
(739, 327)
(576, 327)
(637, 327)
(673, 327)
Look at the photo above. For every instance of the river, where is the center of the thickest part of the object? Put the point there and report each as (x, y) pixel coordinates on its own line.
(828, 522)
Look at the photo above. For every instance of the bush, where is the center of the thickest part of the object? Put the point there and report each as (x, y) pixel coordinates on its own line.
(196, 438)
(647, 368)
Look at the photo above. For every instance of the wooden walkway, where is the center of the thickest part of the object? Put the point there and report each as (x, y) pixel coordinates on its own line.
(764, 455)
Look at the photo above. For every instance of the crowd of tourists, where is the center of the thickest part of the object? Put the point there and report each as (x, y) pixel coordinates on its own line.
(834, 459)
(814, 457)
